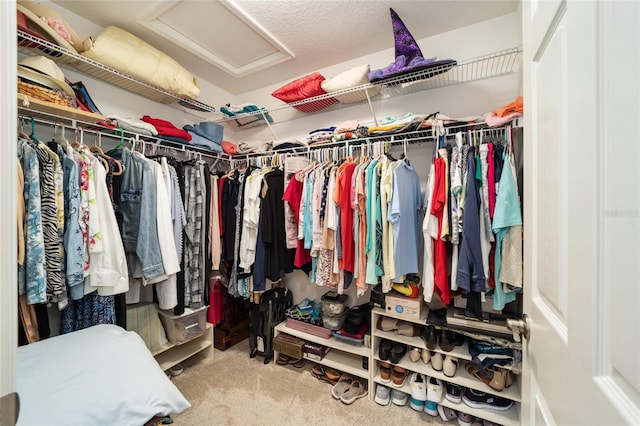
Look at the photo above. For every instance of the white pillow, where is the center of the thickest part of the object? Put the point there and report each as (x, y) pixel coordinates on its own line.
(348, 79)
(102, 375)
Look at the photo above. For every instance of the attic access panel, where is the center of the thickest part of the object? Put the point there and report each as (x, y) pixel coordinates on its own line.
(219, 32)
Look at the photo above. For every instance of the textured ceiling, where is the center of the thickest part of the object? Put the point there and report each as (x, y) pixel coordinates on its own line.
(319, 33)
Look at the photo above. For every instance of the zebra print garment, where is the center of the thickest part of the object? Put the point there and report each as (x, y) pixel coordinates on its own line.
(49, 210)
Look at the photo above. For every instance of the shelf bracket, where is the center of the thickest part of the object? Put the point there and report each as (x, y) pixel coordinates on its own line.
(373, 113)
(264, 117)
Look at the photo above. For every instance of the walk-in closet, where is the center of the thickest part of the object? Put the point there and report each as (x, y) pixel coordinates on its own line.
(285, 212)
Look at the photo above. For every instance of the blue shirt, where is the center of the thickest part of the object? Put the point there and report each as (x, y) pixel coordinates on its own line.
(404, 212)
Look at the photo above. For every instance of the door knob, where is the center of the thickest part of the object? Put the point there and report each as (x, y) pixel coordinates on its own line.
(519, 328)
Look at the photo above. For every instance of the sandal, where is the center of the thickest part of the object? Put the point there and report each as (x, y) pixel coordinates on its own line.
(473, 370)
(385, 372)
(342, 386)
(356, 390)
(283, 359)
(318, 371)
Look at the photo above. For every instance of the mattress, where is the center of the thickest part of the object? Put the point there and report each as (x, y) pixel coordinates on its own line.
(102, 375)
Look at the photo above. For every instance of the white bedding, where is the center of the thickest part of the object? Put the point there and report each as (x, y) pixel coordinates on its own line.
(103, 375)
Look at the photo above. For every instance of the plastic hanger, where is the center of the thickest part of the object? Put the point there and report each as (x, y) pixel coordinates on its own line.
(32, 135)
(97, 148)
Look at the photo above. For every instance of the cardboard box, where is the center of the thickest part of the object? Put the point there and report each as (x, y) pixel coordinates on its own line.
(314, 351)
(402, 306)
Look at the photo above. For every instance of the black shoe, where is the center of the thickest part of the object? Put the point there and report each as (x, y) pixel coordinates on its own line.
(449, 339)
(384, 349)
(453, 392)
(397, 352)
(476, 399)
(430, 337)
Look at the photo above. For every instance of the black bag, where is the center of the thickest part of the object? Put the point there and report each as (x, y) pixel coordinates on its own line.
(263, 317)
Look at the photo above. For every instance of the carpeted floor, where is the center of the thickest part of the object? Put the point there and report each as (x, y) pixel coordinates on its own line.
(233, 389)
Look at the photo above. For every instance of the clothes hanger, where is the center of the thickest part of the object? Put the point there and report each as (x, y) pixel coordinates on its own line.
(21, 132)
(32, 136)
(97, 149)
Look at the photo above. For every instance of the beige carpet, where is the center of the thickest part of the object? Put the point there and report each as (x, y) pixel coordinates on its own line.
(233, 389)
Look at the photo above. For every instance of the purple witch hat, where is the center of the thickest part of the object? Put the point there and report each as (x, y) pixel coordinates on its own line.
(409, 57)
(405, 43)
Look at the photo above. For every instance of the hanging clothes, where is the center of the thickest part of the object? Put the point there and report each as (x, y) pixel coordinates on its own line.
(403, 214)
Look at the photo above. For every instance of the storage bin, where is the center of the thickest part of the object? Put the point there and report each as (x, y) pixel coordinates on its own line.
(334, 322)
(288, 345)
(185, 327)
(333, 303)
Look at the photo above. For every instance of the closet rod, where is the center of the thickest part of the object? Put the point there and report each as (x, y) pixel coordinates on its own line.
(126, 135)
(421, 135)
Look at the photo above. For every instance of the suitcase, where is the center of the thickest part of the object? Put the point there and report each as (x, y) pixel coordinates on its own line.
(263, 317)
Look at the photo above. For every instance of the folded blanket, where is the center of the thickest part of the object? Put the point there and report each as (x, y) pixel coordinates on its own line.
(207, 129)
(198, 140)
(133, 125)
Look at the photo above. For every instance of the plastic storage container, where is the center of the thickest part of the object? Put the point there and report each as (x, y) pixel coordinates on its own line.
(334, 322)
(182, 328)
(333, 303)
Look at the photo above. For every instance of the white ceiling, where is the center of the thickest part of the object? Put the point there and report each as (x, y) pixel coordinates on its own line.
(284, 39)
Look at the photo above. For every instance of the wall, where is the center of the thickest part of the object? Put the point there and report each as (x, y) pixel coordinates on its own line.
(8, 289)
(474, 98)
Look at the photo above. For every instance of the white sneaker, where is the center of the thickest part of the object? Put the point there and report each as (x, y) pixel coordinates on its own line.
(416, 404)
(449, 366)
(399, 397)
(418, 384)
(431, 408)
(434, 390)
(436, 361)
(383, 395)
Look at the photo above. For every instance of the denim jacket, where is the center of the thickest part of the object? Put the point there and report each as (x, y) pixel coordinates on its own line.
(73, 241)
(139, 227)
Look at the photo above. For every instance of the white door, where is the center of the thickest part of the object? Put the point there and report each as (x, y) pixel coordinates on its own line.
(582, 212)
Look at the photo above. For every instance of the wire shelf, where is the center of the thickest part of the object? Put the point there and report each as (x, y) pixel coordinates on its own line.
(32, 45)
(479, 68)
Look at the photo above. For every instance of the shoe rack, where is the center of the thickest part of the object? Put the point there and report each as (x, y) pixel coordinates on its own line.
(461, 377)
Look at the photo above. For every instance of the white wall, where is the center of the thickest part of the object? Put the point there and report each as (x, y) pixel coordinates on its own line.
(474, 98)
(8, 236)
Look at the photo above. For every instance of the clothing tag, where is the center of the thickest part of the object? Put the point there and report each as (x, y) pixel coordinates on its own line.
(260, 344)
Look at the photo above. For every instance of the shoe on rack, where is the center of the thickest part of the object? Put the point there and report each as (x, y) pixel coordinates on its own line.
(414, 354)
(384, 349)
(453, 392)
(447, 414)
(385, 371)
(398, 374)
(398, 397)
(407, 328)
(434, 390)
(387, 324)
(426, 356)
(383, 394)
(450, 339)
(418, 385)
(465, 419)
(416, 404)
(397, 352)
(449, 366)
(437, 361)
(431, 408)
(430, 336)
(476, 399)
